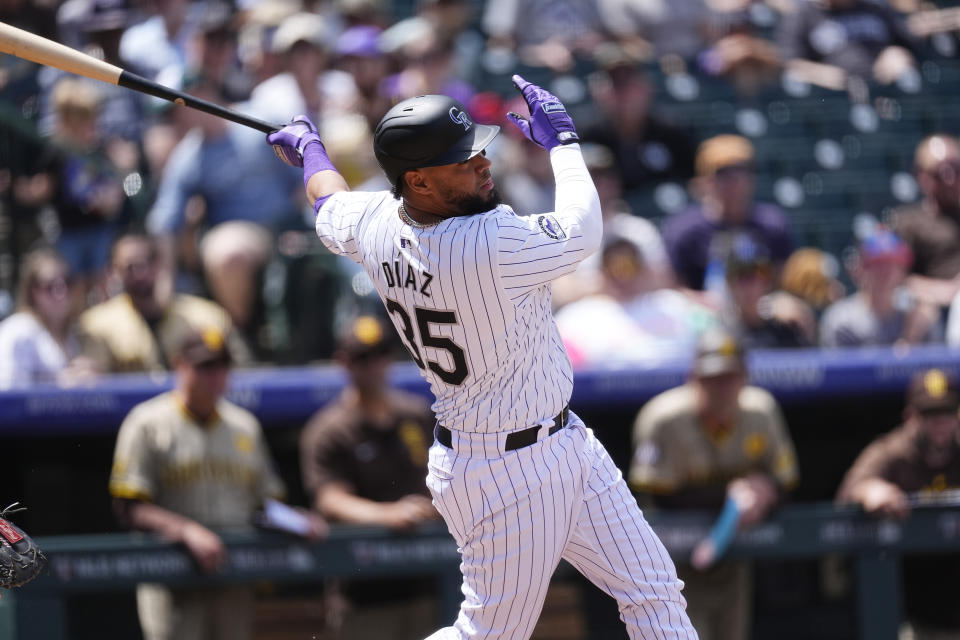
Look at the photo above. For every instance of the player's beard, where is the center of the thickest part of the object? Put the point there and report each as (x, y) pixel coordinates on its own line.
(468, 204)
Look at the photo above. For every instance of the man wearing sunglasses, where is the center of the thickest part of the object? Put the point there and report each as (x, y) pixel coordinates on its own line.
(931, 227)
(697, 239)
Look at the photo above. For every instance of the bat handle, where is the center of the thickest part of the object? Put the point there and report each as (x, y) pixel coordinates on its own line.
(139, 83)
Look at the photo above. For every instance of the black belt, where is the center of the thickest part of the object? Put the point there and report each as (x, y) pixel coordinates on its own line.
(516, 439)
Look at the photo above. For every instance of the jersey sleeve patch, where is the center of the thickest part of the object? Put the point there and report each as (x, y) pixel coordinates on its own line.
(550, 226)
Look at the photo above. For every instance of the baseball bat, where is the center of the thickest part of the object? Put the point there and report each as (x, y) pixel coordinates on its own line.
(32, 47)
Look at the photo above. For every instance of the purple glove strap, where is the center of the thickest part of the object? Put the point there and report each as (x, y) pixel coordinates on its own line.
(315, 159)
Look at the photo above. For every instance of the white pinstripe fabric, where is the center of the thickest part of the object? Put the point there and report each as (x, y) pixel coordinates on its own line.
(479, 286)
(493, 271)
(514, 517)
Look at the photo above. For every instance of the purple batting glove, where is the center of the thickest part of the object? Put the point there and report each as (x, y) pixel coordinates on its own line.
(289, 142)
(549, 125)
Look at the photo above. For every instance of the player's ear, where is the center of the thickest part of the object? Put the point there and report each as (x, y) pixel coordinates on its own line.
(417, 182)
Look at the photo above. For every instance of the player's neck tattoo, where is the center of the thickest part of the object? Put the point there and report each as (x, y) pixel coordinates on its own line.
(413, 223)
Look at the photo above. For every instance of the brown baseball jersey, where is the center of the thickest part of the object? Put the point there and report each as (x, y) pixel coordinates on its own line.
(217, 473)
(380, 463)
(897, 458)
(673, 450)
(119, 340)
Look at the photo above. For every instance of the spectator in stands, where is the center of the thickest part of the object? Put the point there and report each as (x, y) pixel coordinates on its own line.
(455, 22)
(38, 343)
(628, 320)
(216, 51)
(426, 63)
(763, 316)
(137, 329)
(158, 48)
(186, 463)
(699, 445)
(306, 84)
(83, 184)
(882, 311)
(363, 459)
(680, 29)
(811, 275)
(95, 27)
(358, 53)
(699, 239)
(826, 41)
(932, 227)
(544, 32)
(35, 17)
(746, 59)
(360, 12)
(619, 220)
(242, 207)
(256, 30)
(648, 151)
(911, 465)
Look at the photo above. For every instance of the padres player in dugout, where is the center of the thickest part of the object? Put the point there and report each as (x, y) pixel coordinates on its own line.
(520, 481)
(916, 463)
(188, 462)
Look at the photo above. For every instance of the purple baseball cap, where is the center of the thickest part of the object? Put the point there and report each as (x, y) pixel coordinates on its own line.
(361, 41)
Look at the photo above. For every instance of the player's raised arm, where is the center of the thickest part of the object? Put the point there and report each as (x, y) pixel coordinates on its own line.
(298, 144)
(535, 250)
(577, 205)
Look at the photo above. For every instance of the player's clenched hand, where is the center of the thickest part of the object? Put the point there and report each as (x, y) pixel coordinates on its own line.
(549, 124)
(205, 546)
(288, 143)
(408, 512)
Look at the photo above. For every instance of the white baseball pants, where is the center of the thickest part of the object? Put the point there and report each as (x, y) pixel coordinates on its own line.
(514, 515)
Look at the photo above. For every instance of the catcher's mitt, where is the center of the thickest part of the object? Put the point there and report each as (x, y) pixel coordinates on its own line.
(20, 559)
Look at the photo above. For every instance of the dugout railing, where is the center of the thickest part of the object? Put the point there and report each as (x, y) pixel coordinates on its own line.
(116, 562)
(58, 444)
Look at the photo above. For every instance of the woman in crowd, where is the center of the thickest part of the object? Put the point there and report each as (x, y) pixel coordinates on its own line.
(38, 343)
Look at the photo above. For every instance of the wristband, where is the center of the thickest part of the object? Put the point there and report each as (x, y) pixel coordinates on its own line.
(315, 160)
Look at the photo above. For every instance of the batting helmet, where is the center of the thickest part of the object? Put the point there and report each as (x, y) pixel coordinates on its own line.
(428, 131)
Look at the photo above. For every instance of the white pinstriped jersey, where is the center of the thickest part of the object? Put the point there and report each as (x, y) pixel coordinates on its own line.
(471, 296)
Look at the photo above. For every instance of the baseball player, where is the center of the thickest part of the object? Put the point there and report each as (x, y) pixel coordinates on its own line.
(518, 478)
(187, 463)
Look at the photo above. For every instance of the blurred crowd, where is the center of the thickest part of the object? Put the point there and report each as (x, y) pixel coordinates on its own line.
(123, 217)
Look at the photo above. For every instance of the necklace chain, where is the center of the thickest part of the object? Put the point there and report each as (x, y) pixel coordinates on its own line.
(413, 223)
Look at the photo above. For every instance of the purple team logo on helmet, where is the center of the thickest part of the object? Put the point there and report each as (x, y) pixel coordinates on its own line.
(461, 117)
(551, 227)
